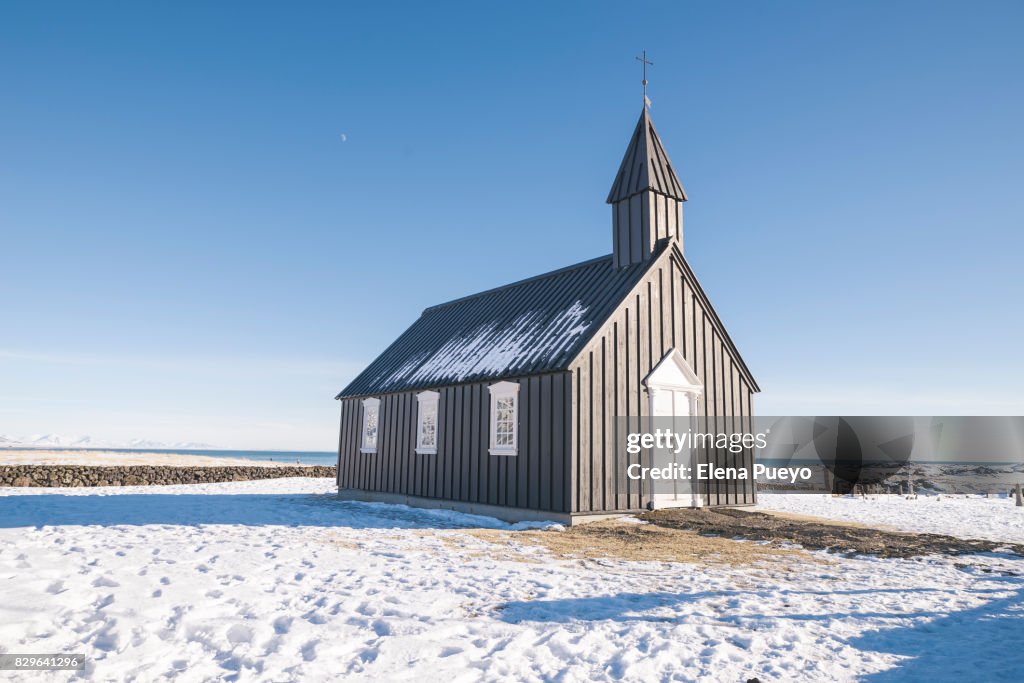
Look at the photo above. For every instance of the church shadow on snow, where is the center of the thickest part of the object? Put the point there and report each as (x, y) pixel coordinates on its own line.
(972, 644)
(981, 643)
(298, 510)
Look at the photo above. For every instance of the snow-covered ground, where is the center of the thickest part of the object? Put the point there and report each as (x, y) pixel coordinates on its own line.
(993, 519)
(279, 580)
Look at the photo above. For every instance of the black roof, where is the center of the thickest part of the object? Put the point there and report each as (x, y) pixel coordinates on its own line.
(645, 166)
(527, 327)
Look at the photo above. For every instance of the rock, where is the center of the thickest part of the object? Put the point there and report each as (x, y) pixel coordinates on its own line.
(139, 475)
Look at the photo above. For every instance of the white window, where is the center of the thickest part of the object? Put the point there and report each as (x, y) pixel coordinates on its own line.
(426, 422)
(371, 419)
(504, 418)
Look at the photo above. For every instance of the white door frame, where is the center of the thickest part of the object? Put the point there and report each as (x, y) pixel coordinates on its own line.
(674, 374)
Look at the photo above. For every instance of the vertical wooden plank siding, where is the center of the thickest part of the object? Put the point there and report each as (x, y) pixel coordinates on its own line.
(526, 441)
(664, 311)
(561, 401)
(401, 455)
(462, 469)
(473, 443)
(586, 407)
(711, 391)
(608, 449)
(545, 471)
(617, 408)
(445, 475)
(342, 436)
(633, 232)
(463, 452)
(714, 405)
(625, 370)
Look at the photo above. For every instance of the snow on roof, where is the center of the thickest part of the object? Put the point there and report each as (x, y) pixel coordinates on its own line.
(528, 327)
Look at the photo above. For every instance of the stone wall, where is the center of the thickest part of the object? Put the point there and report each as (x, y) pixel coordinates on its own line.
(141, 475)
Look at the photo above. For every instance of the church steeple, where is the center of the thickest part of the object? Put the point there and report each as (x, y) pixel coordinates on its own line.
(646, 197)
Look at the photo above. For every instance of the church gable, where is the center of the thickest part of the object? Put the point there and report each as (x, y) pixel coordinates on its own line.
(669, 309)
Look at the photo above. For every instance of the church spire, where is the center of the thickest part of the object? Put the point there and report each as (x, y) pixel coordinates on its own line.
(646, 197)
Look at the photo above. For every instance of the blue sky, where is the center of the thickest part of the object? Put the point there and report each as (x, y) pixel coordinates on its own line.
(212, 215)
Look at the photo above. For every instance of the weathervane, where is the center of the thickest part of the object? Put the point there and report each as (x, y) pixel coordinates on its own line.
(643, 59)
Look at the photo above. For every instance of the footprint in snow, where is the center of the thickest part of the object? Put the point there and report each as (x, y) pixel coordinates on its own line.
(197, 634)
(315, 618)
(105, 582)
(272, 646)
(239, 633)
(282, 625)
(106, 639)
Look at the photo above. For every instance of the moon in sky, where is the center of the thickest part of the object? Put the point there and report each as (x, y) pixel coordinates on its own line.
(344, 138)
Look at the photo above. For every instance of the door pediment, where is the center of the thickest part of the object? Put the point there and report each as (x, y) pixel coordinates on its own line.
(673, 372)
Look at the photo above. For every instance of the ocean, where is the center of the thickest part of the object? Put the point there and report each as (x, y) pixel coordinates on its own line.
(301, 457)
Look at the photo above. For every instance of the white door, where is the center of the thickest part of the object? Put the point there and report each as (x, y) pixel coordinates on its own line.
(672, 408)
(674, 390)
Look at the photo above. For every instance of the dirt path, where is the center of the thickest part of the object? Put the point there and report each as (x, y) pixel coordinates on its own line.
(813, 534)
(616, 539)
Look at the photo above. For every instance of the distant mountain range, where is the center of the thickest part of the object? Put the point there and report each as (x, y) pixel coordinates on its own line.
(63, 441)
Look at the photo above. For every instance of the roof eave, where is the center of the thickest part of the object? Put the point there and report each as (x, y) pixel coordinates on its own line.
(660, 251)
(666, 249)
(718, 321)
(681, 196)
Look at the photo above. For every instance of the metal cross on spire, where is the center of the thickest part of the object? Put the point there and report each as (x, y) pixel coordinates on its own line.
(643, 59)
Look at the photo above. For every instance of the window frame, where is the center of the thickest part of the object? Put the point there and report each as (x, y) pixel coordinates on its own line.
(424, 400)
(369, 404)
(499, 391)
